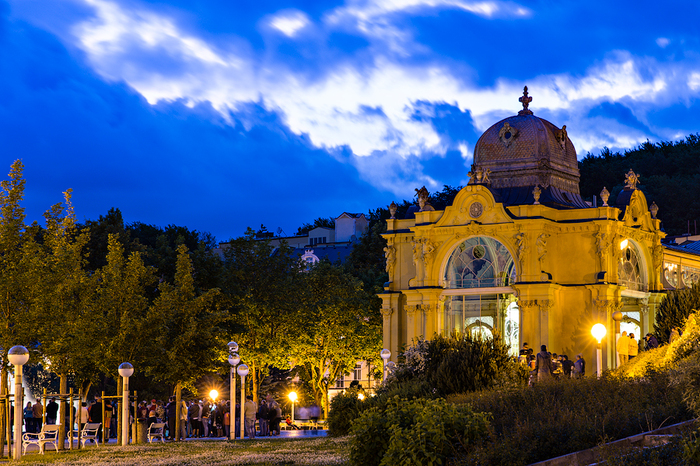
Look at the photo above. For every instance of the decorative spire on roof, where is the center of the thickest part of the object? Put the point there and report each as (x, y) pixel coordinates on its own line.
(525, 100)
(631, 180)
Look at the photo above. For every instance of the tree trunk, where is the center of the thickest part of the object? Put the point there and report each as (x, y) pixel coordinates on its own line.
(255, 383)
(120, 410)
(178, 409)
(63, 389)
(3, 420)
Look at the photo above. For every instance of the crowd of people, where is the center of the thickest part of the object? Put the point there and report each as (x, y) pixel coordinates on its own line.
(545, 365)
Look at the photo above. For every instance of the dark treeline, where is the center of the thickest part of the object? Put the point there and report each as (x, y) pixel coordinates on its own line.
(669, 175)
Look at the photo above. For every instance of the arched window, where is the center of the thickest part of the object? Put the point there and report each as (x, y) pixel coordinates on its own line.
(630, 271)
(480, 262)
(671, 274)
(691, 276)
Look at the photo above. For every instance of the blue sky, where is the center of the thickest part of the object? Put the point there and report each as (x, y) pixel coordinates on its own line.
(218, 115)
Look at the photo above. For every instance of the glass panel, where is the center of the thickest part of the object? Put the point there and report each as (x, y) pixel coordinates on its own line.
(629, 270)
(480, 262)
(690, 275)
(511, 328)
(671, 274)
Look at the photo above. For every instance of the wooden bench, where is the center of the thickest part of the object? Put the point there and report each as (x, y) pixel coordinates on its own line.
(89, 432)
(48, 434)
(156, 431)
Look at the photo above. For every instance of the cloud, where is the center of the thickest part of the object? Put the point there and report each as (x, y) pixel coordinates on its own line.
(289, 22)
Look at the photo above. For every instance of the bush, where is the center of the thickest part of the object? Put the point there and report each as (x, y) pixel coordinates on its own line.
(345, 408)
(415, 432)
(553, 419)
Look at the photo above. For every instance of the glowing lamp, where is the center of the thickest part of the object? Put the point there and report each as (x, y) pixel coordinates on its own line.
(18, 355)
(598, 331)
(292, 396)
(232, 346)
(242, 370)
(623, 245)
(213, 395)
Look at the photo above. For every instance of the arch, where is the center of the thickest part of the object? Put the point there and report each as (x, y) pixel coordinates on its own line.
(479, 262)
(631, 267)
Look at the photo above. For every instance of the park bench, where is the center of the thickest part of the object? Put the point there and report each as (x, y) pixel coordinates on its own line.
(156, 431)
(89, 432)
(48, 434)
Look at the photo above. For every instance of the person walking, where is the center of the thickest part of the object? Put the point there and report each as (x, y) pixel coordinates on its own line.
(543, 364)
(623, 348)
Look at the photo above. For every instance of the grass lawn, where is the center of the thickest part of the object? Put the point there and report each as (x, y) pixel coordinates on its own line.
(319, 451)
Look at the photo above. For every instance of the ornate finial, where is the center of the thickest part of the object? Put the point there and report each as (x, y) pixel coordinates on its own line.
(654, 209)
(605, 195)
(525, 100)
(536, 194)
(423, 195)
(631, 180)
(392, 209)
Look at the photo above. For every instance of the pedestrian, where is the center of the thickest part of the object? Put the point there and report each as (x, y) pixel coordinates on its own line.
(84, 415)
(51, 411)
(579, 367)
(567, 365)
(96, 414)
(263, 417)
(38, 411)
(183, 421)
(674, 335)
(227, 420)
(623, 345)
(634, 347)
(29, 418)
(543, 364)
(652, 342)
(250, 410)
(171, 413)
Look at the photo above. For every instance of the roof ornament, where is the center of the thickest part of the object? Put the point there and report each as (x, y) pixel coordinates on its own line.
(536, 193)
(631, 180)
(423, 202)
(605, 195)
(525, 100)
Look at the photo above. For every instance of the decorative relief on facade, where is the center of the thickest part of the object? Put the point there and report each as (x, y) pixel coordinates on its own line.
(507, 134)
(428, 250)
(654, 209)
(657, 254)
(479, 175)
(562, 137)
(476, 209)
(631, 180)
(390, 255)
(545, 305)
(521, 246)
(387, 312)
(417, 251)
(413, 309)
(526, 305)
(542, 246)
(644, 305)
(423, 202)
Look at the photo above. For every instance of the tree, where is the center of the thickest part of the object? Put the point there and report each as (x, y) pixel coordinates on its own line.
(261, 285)
(185, 331)
(321, 222)
(338, 326)
(674, 310)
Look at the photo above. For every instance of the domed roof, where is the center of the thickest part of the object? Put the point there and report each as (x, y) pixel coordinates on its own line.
(526, 151)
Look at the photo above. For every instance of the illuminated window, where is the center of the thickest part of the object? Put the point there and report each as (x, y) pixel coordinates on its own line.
(690, 275)
(480, 262)
(629, 270)
(671, 274)
(357, 372)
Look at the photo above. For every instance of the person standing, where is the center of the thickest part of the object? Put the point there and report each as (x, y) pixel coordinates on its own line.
(183, 421)
(96, 414)
(634, 347)
(29, 418)
(579, 367)
(38, 411)
(52, 411)
(84, 416)
(171, 413)
(623, 348)
(250, 409)
(543, 364)
(263, 420)
(652, 342)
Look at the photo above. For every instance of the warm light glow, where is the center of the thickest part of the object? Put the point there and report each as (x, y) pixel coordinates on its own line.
(213, 395)
(360, 396)
(598, 331)
(623, 245)
(292, 396)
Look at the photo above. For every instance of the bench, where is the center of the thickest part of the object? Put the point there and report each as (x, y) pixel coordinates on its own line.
(156, 431)
(89, 432)
(48, 434)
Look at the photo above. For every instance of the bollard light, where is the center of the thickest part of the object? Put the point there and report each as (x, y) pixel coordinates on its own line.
(18, 357)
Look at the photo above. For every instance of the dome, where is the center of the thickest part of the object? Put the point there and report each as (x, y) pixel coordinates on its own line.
(524, 151)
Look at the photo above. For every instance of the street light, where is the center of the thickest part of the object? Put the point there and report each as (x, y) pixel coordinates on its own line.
(598, 331)
(360, 396)
(126, 370)
(233, 359)
(242, 372)
(293, 398)
(385, 354)
(213, 395)
(18, 357)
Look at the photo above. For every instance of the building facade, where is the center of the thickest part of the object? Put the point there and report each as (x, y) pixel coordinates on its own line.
(521, 255)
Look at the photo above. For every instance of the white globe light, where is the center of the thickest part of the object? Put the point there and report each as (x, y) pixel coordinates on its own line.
(598, 331)
(385, 354)
(292, 396)
(18, 355)
(234, 359)
(126, 369)
(242, 370)
(232, 346)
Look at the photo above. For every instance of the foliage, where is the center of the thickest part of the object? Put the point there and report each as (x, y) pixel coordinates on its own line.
(336, 327)
(415, 432)
(345, 408)
(321, 222)
(547, 420)
(674, 309)
(666, 169)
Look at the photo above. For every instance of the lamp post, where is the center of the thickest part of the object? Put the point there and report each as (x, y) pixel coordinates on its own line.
(18, 357)
(293, 398)
(385, 354)
(126, 370)
(233, 360)
(598, 331)
(242, 372)
(617, 317)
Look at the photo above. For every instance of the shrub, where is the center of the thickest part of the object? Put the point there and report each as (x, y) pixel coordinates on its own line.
(415, 432)
(552, 419)
(674, 309)
(345, 408)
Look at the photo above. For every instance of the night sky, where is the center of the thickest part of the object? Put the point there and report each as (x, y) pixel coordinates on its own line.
(218, 115)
